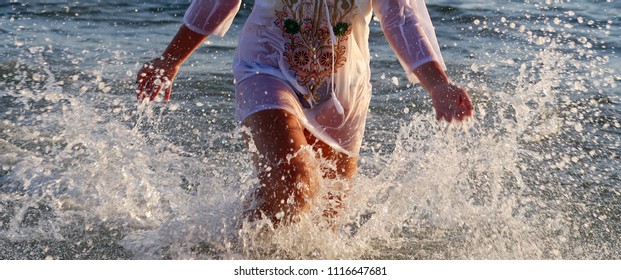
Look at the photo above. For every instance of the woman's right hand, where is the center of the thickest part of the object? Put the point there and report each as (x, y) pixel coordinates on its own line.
(156, 76)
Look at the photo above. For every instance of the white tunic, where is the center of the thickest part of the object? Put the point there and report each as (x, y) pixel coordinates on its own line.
(319, 50)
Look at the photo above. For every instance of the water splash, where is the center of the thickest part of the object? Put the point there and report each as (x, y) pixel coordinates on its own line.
(87, 173)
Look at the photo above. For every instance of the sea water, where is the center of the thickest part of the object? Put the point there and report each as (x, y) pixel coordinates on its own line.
(87, 172)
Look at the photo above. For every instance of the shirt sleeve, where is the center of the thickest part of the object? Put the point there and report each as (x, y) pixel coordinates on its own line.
(211, 16)
(408, 29)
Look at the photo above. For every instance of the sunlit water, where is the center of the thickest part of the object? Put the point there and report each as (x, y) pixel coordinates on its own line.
(88, 173)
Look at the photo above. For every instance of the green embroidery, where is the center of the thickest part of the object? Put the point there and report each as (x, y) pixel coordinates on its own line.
(340, 28)
(291, 26)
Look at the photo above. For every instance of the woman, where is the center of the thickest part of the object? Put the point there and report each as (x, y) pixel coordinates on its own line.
(302, 85)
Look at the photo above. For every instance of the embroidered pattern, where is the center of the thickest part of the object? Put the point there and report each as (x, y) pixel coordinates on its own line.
(309, 48)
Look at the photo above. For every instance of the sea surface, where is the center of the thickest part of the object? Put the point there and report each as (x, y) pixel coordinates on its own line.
(86, 172)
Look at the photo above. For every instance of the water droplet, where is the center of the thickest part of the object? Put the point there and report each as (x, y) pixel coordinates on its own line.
(395, 81)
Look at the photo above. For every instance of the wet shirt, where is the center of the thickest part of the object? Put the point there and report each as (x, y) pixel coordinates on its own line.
(320, 49)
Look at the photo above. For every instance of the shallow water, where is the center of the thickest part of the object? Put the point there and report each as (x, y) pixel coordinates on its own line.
(87, 173)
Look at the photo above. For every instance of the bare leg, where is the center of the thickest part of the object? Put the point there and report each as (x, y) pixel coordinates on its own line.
(288, 172)
(344, 168)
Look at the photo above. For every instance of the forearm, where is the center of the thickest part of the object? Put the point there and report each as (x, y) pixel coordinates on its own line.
(449, 100)
(183, 45)
(408, 31)
(431, 75)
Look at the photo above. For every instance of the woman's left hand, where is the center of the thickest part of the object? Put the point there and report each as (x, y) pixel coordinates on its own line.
(451, 102)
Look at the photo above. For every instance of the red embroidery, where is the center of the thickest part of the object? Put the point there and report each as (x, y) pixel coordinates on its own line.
(309, 48)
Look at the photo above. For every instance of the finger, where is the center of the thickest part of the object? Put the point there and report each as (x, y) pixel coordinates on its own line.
(465, 106)
(167, 88)
(155, 92)
(142, 75)
(140, 81)
(462, 112)
(142, 87)
(139, 90)
(139, 76)
(466, 102)
(167, 93)
(468, 110)
(443, 116)
(457, 115)
(460, 116)
(146, 89)
(139, 94)
(459, 112)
